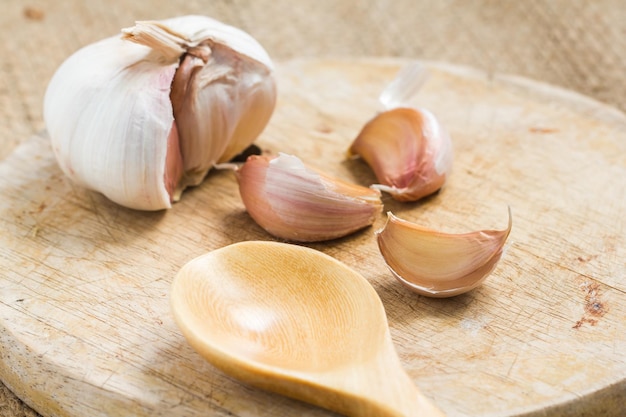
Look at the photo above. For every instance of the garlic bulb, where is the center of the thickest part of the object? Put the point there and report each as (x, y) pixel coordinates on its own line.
(295, 202)
(407, 148)
(439, 264)
(142, 116)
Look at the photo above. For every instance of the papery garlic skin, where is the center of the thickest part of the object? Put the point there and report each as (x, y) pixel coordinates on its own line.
(408, 150)
(294, 202)
(439, 264)
(113, 124)
(106, 141)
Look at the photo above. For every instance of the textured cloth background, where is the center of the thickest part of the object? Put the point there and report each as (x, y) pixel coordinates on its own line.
(576, 44)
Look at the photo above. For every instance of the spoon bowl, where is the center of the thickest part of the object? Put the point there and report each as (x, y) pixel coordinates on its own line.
(292, 320)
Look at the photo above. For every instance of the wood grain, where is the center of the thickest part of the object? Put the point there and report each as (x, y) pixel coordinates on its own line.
(85, 323)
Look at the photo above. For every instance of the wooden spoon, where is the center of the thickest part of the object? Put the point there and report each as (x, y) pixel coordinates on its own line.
(297, 322)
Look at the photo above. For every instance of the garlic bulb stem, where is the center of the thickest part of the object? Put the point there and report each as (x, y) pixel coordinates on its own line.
(169, 44)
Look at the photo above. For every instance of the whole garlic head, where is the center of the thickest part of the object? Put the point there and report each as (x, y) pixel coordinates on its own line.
(142, 116)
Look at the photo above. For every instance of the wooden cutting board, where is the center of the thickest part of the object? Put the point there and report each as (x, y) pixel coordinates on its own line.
(85, 324)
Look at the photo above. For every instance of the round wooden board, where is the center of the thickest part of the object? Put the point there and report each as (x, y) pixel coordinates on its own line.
(85, 324)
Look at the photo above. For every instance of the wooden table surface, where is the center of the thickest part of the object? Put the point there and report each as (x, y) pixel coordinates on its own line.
(575, 45)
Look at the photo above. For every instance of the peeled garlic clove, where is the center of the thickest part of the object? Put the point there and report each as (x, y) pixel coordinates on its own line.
(408, 150)
(140, 117)
(439, 264)
(406, 147)
(297, 203)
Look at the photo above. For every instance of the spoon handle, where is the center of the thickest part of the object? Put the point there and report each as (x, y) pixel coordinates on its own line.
(381, 388)
(397, 396)
(406, 400)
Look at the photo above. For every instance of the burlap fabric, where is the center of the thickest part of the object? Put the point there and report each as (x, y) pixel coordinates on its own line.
(576, 44)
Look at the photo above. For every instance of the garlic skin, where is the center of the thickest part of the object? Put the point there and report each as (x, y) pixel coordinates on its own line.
(406, 147)
(439, 264)
(294, 202)
(141, 116)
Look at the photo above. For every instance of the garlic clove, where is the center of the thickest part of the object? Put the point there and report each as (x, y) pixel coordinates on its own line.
(218, 94)
(295, 202)
(124, 121)
(223, 93)
(108, 115)
(406, 147)
(439, 264)
(408, 150)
